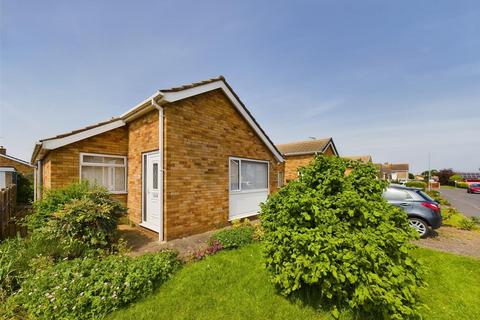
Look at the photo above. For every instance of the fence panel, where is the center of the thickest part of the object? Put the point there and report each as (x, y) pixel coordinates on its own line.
(10, 213)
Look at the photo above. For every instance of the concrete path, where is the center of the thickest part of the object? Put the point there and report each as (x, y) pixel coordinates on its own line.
(466, 203)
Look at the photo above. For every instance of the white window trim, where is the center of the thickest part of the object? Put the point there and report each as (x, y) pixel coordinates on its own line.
(240, 176)
(93, 164)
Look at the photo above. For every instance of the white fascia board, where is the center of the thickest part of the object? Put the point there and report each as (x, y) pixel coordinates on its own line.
(7, 169)
(139, 105)
(16, 160)
(333, 148)
(60, 142)
(183, 94)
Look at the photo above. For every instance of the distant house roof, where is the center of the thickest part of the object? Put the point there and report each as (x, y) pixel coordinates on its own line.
(469, 175)
(6, 156)
(307, 147)
(364, 159)
(161, 97)
(389, 167)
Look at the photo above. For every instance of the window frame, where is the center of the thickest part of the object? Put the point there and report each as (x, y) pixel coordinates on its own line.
(106, 165)
(240, 190)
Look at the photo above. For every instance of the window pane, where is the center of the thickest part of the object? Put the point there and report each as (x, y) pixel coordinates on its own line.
(155, 176)
(281, 179)
(103, 160)
(254, 175)
(120, 179)
(94, 175)
(234, 181)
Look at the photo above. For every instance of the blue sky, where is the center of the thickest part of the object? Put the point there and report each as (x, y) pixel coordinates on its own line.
(394, 79)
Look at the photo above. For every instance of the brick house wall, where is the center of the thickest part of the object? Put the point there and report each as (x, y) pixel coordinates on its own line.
(142, 137)
(20, 167)
(293, 163)
(61, 167)
(201, 133)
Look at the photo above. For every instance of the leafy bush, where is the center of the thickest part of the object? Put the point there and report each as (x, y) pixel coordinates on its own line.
(74, 220)
(455, 177)
(234, 237)
(467, 223)
(24, 188)
(90, 288)
(332, 232)
(462, 185)
(416, 184)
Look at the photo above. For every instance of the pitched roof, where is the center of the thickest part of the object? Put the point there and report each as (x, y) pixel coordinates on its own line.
(305, 147)
(16, 159)
(399, 166)
(163, 96)
(364, 159)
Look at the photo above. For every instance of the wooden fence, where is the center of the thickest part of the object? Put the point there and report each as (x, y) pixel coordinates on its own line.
(10, 213)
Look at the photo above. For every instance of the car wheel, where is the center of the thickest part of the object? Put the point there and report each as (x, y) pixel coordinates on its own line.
(419, 225)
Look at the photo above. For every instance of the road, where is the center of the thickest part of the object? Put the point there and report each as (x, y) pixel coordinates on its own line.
(466, 203)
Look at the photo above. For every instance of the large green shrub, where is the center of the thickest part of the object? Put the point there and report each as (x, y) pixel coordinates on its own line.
(416, 184)
(332, 232)
(90, 288)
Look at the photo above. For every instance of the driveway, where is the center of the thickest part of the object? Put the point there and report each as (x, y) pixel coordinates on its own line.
(466, 203)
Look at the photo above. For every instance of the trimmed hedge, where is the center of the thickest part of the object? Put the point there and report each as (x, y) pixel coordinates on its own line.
(416, 184)
(462, 185)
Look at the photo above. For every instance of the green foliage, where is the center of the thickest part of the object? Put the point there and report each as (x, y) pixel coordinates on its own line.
(462, 185)
(24, 188)
(334, 233)
(411, 176)
(75, 219)
(416, 184)
(90, 288)
(455, 177)
(234, 237)
(467, 223)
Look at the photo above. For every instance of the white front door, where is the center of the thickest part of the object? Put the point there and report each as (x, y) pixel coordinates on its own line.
(152, 192)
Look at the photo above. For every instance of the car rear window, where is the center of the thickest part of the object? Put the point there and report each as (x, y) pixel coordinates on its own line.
(475, 185)
(425, 196)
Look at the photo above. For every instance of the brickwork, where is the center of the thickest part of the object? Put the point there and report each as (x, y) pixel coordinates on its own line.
(62, 166)
(293, 163)
(201, 133)
(142, 137)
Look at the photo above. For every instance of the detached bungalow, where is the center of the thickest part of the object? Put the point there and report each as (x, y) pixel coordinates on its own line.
(301, 153)
(10, 166)
(184, 161)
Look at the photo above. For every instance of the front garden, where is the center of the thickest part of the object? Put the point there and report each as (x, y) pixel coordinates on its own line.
(328, 246)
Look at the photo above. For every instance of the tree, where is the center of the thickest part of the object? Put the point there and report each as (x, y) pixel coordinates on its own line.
(333, 234)
(411, 176)
(444, 175)
(455, 178)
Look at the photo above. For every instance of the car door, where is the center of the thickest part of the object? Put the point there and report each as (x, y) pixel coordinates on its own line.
(399, 198)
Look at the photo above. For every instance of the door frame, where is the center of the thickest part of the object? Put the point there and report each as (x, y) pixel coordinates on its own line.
(160, 192)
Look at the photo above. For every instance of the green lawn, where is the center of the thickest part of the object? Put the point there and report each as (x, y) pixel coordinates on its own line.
(233, 285)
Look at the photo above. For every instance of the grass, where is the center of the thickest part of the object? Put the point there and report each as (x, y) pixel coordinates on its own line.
(234, 285)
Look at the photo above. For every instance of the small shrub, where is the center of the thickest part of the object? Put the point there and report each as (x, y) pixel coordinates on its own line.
(416, 184)
(90, 288)
(234, 237)
(467, 224)
(71, 221)
(462, 185)
(334, 234)
(213, 247)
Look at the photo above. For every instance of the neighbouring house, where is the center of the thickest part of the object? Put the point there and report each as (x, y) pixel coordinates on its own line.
(10, 167)
(301, 153)
(394, 171)
(364, 159)
(470, 176)
(184, 161)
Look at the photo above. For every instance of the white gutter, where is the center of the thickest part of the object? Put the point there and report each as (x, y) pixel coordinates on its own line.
(160, 155)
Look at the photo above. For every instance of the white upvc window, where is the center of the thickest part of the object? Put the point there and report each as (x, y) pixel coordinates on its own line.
(248, 175)
(105, 170)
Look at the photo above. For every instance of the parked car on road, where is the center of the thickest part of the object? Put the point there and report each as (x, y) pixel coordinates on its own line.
(473, 188)
(423, 212)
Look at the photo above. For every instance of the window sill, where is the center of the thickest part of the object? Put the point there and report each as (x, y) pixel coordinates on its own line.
(118, 192)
